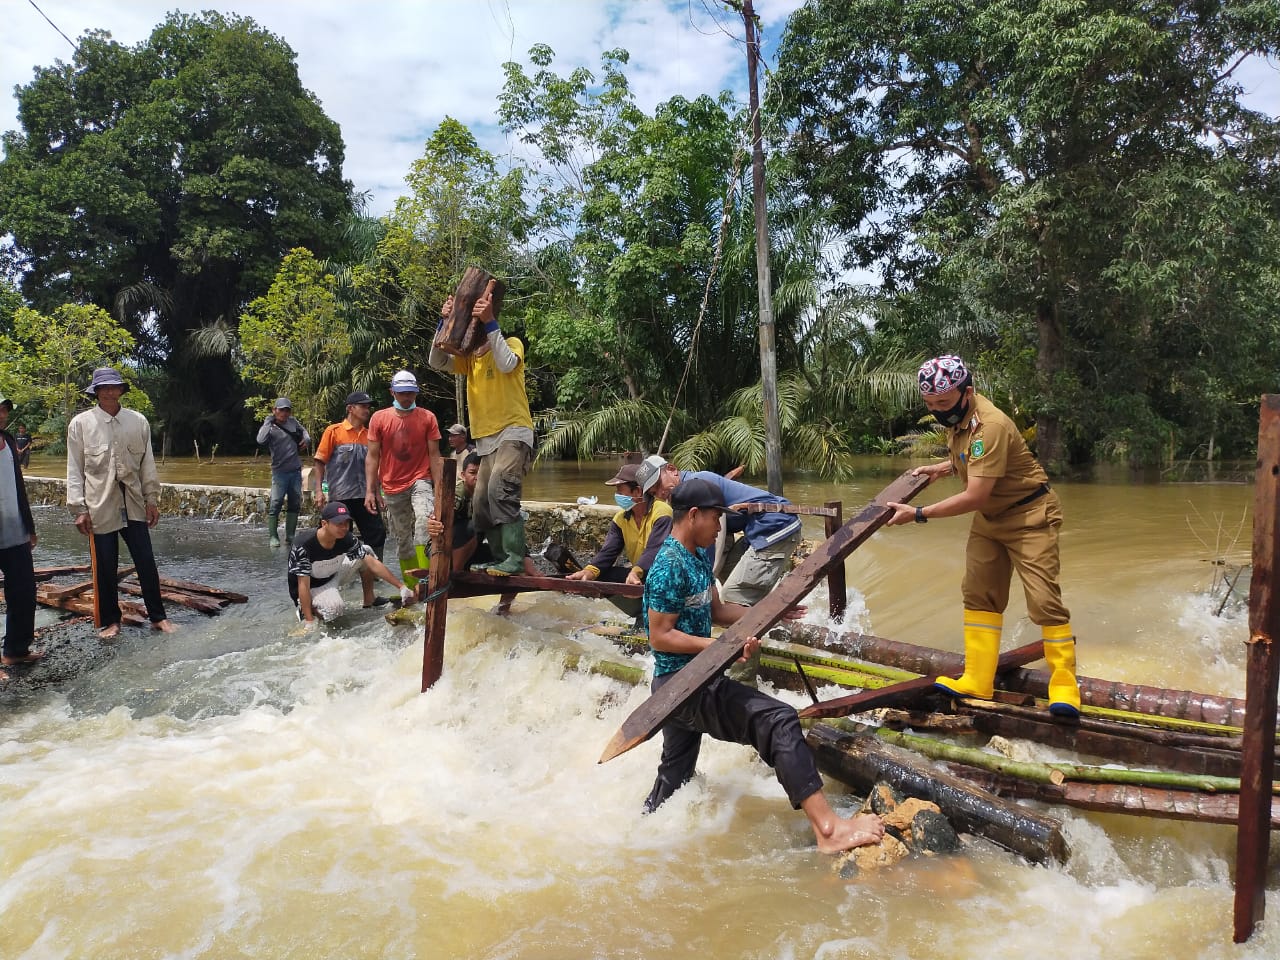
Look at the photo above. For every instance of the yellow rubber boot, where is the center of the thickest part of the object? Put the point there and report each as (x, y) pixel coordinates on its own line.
(981, 653)
(1060, 652)
(409, 581)
(424, 558)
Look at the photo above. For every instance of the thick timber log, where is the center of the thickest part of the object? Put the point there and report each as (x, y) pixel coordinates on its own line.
(1108, 739)
(645, 721)
(189, 586)
(1139, 698)
(1262, 678)
(438, 581)
(461, 334)
(860, 761)
(205, 605)
(1159, 802)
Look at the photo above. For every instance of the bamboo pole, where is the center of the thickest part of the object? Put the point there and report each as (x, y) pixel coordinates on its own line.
(1262, 672)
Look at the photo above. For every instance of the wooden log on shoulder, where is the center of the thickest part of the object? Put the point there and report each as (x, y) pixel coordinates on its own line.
(460, 334)
(860, 761)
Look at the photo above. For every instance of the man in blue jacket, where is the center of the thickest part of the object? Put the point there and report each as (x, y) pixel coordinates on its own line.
(768, 539)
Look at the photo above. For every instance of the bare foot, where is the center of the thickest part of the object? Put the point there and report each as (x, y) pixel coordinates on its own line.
(109, 634)
(164, 626)
(31, 657)
(859, 831)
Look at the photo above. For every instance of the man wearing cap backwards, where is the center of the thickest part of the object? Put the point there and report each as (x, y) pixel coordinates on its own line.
(637, 531)
(503, 428)
(403, 463)
(340, 469)
(324, 559)
(460, 445)
(680, 605)
(1015, 527)
(17, 540)
(112, 488)
(286, 438)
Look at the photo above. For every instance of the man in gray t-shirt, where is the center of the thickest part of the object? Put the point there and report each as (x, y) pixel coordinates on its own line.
(285, 437)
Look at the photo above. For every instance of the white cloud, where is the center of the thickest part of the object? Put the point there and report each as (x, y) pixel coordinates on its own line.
(389, 71)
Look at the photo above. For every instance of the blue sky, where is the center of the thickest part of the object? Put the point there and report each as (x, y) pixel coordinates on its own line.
(389, 70)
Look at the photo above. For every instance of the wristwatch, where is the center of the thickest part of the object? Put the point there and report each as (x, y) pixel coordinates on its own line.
(920, 517)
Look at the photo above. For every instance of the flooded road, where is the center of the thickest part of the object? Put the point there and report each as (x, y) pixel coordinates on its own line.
(236, 790)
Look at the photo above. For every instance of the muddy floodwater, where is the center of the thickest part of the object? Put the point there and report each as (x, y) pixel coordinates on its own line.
(237, 790)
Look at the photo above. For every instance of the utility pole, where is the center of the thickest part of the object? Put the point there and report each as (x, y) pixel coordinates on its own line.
(764, 281)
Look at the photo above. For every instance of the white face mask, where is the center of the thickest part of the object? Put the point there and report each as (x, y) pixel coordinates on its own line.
(395, 402)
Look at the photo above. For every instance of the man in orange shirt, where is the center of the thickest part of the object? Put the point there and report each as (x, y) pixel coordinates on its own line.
(340, 465)
(404, 462)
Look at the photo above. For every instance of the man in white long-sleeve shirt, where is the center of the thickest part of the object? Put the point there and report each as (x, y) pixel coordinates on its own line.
(503, 430)
(112, 488)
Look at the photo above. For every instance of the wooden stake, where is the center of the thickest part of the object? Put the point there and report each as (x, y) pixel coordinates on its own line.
(1261, 676)
(794, 587)
(836, 586)
(438, 581)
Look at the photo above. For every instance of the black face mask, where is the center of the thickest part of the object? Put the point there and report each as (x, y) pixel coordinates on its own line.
(953, 415)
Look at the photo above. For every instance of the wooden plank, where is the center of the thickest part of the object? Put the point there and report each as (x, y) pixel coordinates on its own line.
(1262, 672)
(791, 508)
(49, 595)
(836, 586)
(438, 580)
(794, 587)
(203, 604)
(134, 614)
(64, 571)
(469, 583)
(42, 576)
(861, 761)
(188, 586)
(900, 693)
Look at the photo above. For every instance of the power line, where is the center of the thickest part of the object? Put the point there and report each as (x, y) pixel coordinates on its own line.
(74, 46)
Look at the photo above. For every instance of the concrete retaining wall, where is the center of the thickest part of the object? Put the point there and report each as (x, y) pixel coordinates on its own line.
(580, 528)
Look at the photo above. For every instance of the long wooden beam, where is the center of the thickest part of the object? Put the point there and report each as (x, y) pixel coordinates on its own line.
(794, 587)
(438, 581)
(1262, 673)
(467, 583)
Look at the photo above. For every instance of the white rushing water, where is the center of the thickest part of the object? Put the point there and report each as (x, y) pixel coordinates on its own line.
(240, 791)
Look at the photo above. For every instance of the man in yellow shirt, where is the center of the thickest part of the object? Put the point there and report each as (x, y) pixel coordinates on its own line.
(502, 428)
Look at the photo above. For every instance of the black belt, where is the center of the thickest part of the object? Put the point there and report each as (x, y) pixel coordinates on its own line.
(1031, 497)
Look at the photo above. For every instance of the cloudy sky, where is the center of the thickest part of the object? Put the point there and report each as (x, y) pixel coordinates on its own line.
(389, 70)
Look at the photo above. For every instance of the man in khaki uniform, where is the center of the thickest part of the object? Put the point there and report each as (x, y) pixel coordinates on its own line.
(1015, 527)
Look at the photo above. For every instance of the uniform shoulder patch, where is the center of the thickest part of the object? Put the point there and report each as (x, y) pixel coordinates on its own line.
(976, 450)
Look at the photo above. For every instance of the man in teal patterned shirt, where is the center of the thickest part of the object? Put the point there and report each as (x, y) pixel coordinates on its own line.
(680, 605)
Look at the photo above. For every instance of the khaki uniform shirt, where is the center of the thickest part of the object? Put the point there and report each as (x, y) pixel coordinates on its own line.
(110, 467)
(989, 445)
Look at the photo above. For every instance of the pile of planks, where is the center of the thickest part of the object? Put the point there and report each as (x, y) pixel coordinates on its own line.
(78, 597)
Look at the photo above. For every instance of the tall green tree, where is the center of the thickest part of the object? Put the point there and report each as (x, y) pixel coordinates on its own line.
(49, 358)
(1013, 166)
(294, 344)
(164, 182)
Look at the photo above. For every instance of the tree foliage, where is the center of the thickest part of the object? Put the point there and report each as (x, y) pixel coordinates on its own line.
(1067, 186)
(164, 182)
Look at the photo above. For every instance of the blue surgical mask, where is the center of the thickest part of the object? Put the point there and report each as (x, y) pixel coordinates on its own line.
(396, 404)
(624, 503)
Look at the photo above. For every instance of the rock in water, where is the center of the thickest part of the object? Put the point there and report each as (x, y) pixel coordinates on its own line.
(913, 828)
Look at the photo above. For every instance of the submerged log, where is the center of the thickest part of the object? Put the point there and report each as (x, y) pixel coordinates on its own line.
(1159, 802)
(1138, 698)
(860, 761)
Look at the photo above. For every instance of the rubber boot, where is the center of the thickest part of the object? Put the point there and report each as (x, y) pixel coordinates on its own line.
(290, 526)
(513, 547)
(408, 579)
(1060, 652)
(424, 558)
(981, 653)
(273, 529)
